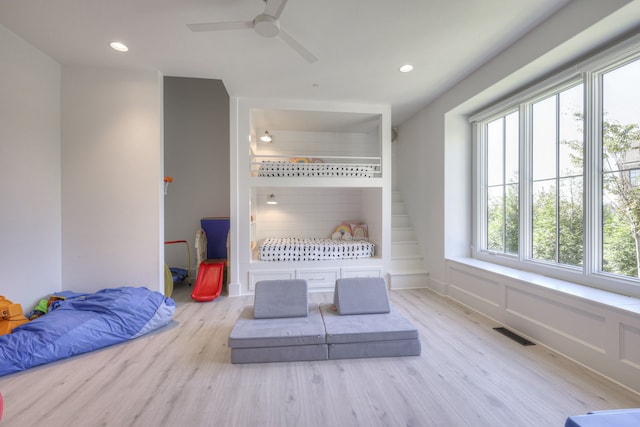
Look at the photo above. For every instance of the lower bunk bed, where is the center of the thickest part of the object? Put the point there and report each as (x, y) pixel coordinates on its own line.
(77, 323)
(313, 249)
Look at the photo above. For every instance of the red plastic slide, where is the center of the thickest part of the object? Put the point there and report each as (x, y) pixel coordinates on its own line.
(209, 281)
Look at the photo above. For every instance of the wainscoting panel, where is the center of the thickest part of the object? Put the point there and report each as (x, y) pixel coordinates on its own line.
(596, 329)
(480, 292)
(558, 315)
(628, 346)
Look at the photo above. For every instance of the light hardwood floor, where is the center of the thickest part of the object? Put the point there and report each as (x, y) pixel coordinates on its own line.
(467, 375)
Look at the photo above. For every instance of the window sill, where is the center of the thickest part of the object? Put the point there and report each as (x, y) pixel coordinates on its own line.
(610, 299)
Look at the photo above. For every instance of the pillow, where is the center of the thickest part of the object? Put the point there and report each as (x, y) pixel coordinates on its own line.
(359, 232)
(361, 295)
(343, 229)
(280, 298)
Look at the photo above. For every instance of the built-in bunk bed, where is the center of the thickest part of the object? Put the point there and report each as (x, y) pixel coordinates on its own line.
(317, 194)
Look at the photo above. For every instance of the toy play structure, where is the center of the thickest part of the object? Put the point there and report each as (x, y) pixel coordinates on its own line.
(211, 256)
(180, 274)
(167, 180)
(209, 281)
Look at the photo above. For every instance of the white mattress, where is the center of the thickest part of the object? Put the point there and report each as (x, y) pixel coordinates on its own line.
(290, 169)
(313, 249)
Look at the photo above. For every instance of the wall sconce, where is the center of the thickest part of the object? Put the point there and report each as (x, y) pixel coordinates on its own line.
(266, 137)
(271, 200)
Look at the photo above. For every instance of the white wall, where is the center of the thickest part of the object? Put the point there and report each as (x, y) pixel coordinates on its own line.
(112, 198)
(30, 203)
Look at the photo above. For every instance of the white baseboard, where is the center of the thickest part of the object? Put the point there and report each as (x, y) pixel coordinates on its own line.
(234, 289)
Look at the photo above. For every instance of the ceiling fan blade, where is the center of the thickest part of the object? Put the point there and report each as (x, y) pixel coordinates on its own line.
(293, 43)
(274, 8)
(220, 26)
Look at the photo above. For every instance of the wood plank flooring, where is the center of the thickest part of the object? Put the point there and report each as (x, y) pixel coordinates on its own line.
(467, 375)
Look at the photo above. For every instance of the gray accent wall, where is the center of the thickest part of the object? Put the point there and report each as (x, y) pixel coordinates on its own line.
(196, 156)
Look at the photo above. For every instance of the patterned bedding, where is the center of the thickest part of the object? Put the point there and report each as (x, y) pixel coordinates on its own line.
(293, 169)
(313, 249)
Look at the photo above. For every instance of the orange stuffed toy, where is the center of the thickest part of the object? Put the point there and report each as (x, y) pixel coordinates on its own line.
(10, 316)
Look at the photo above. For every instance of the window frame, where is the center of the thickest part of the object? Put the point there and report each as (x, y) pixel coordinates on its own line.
(588, 73)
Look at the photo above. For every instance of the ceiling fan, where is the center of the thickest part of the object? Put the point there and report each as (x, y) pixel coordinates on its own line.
(266, 24)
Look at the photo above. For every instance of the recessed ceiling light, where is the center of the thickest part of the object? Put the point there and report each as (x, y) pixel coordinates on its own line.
(406, 68)
(120, 47)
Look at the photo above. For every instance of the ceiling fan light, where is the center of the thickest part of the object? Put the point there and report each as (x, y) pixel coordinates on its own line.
(266, 26)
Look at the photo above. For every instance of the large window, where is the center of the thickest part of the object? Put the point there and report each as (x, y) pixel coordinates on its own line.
(557, 146)
(558, 176)
(620, 159)
(502, 184)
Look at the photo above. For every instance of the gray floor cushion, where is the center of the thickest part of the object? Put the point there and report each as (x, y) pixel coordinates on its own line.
(279, 354)
(359, 350)
(366, 327)
(249, 332)
(280, 298)
(361, 295)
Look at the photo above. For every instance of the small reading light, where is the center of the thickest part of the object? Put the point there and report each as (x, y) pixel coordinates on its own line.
(406, 68)
(271, 200)
(266, 137)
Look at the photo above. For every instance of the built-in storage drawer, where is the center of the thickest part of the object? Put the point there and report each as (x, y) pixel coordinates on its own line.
(319, 277)
(347, 272)
(256, 276)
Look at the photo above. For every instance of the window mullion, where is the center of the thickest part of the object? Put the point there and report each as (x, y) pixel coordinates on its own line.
(504, 186)
(557, 168)
(525, 135)
(592, 166)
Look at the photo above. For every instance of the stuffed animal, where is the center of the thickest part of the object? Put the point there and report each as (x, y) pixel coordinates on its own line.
(10, 316)
(343, 232)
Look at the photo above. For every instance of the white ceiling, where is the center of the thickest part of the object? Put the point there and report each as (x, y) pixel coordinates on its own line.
(359, 43)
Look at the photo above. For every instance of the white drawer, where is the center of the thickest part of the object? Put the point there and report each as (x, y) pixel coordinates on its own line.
(360, 272)
(319, 277)
(256, 276)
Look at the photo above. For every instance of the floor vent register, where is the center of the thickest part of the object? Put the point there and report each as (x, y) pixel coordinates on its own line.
(517, 338)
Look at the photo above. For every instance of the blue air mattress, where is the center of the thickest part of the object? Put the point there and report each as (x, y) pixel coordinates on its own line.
(83, 323)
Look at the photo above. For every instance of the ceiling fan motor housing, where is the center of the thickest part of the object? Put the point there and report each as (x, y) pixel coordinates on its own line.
(266, 26)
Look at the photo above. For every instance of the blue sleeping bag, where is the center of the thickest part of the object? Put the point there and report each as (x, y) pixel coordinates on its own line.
(82, 323)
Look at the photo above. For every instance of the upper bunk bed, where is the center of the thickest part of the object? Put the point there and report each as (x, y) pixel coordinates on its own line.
(307, 166)
(287, 145)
